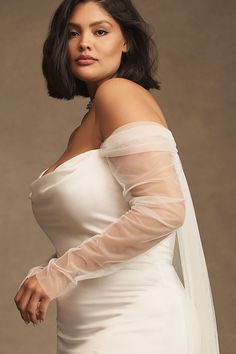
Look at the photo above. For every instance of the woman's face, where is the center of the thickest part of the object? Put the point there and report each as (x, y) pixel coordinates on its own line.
(104, 42)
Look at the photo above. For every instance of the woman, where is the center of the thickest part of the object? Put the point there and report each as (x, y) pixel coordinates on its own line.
(116, 201)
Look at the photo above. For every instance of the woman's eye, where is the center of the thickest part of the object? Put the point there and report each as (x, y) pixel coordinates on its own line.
(101, 31)
(72, 34)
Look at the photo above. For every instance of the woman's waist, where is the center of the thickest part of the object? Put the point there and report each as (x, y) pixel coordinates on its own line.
(127, 280)
(126, 287)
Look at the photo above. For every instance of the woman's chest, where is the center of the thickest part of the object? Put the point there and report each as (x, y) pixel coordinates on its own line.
(85, 137)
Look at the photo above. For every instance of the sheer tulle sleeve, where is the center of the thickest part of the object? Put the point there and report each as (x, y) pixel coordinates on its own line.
(35, 270)
(32, 272)
(141, 157)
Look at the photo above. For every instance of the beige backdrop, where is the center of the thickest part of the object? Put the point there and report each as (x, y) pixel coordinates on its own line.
(196, 45)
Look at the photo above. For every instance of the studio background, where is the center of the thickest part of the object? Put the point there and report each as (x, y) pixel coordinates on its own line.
(197, 56)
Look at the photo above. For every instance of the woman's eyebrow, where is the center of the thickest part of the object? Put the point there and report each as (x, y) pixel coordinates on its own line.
(91, 24)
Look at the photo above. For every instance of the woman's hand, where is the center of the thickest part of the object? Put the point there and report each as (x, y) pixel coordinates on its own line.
(32, 301)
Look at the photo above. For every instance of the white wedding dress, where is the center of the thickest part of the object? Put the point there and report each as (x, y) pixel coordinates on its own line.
(123, 225)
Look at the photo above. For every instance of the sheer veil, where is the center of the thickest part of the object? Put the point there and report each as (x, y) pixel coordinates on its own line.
(190, 264)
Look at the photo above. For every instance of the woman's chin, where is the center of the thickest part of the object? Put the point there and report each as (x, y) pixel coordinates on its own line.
(89, 77)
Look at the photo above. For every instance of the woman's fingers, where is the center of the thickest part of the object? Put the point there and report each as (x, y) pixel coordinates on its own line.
(42, 309)
(21, 300)
(32, 307)
(32, 301)
(22, 305)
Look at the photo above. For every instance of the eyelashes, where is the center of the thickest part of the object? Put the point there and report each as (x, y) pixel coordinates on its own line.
(73, 34)
(101, 31)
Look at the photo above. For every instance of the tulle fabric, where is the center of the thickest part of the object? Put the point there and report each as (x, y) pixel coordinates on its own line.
(143, 158)
(191, 260)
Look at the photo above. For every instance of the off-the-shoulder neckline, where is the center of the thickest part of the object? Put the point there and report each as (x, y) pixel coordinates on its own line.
(120, 128)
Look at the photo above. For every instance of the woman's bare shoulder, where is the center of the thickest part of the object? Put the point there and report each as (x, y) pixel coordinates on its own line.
(119, 101)
(118, 85)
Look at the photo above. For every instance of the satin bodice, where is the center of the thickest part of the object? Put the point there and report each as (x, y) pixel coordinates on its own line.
(79, 199)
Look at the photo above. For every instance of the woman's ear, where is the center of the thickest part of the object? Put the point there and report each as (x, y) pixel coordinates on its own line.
(125, 47)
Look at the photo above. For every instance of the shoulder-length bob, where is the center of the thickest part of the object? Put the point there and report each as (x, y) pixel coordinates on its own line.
(138, 64)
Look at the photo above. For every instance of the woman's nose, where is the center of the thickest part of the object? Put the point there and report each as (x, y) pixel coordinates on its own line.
(84, 45)
(85, 42)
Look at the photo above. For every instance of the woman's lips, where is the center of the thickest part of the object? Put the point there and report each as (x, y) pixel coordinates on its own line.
(85, 61)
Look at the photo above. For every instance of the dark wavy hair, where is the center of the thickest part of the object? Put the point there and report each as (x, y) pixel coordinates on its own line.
(138, 64)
